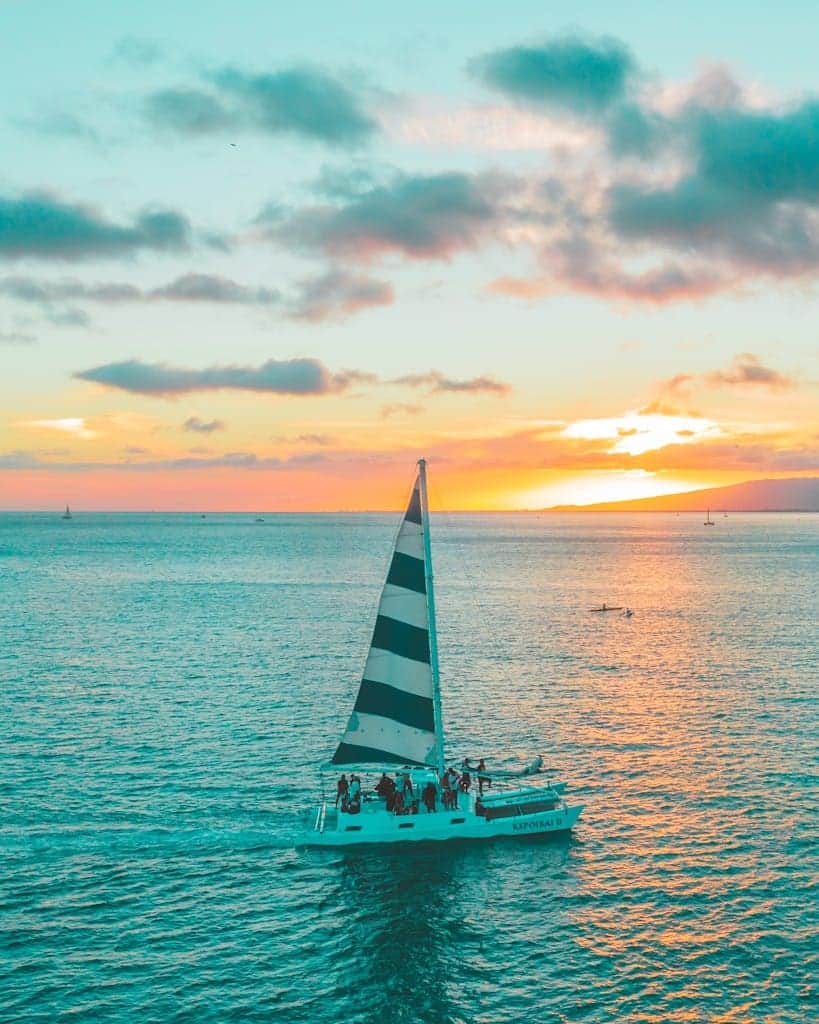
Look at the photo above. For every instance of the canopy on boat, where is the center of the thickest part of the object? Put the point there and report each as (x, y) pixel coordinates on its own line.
(396, 717)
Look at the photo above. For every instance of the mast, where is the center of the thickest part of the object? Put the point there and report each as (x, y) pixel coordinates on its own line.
(433, 634)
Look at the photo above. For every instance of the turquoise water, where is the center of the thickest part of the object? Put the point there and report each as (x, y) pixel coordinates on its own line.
(169, 684)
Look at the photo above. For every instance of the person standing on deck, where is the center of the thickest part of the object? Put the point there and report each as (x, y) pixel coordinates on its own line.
(483, 778)
(445, 790)
(453, 778)
(406, 788)
(342, 789)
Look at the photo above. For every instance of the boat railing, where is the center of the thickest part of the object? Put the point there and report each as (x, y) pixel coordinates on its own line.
(503, 784)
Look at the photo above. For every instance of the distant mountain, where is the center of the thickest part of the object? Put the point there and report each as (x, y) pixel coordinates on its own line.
(796, 495)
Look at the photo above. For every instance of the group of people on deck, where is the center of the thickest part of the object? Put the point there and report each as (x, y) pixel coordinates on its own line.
(348, 794)
(400, 796)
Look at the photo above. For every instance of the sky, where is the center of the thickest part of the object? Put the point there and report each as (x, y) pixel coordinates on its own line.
(257, 256)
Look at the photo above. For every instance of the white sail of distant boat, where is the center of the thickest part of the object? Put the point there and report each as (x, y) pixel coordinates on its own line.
(67, 513)
(396, 723)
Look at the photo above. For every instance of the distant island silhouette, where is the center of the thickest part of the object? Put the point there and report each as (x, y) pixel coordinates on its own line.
(798, 494)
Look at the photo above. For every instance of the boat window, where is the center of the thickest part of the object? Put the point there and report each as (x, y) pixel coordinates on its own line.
(353, 828)
(407, 824)
(457, 821)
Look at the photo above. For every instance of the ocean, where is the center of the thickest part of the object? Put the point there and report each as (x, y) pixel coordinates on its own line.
(170, 684)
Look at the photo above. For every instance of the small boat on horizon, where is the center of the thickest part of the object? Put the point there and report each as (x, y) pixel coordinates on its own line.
(67, 513)
(708, 520)
(396, 726)
(608, 608)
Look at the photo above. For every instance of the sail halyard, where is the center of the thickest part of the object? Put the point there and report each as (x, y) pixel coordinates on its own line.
(396, 717)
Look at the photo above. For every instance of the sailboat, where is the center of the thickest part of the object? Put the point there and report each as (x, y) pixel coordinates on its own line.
(708, 520)
(396, 727)
(67, 513)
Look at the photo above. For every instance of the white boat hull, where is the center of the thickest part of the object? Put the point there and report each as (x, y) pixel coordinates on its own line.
(329, 828)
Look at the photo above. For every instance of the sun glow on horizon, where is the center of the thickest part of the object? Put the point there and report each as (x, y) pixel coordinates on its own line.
(635, 433)
(591, 488)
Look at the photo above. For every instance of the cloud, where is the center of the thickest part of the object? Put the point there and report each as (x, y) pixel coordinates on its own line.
(280, 377)
(745, 371)
(212, 288)
(436, 382)
(75, 425)
(16, 338)
(304, 376)
(751, 196)
(18, 460)
(339, 294)
(60, 124)
(300, 101)
(136, 51)
(605, 279)
(418, 216)
(188, 111)
(679, 384)
(194, 287)
(39, 226)
(400, 409)
(721, 186)
(202, 426)
(440, 122)
(583, 76)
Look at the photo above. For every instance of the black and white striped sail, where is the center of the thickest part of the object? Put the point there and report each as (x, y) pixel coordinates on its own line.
(394, 719)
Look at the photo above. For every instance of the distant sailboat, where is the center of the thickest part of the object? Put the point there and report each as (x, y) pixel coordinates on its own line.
(67, 513)
(708, 520)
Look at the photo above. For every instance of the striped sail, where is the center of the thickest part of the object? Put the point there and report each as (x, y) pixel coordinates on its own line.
(393, 720)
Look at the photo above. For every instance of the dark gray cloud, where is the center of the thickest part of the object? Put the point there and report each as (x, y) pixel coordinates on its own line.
(193, 423)
(338, 294)
(280, 377)
(212, 288)
(304, 376)
(420, 216)
(189, 111)
(750, 197)
(436, 382)
(301, 101)
(40, 226)
(186, 288)
(584, 76)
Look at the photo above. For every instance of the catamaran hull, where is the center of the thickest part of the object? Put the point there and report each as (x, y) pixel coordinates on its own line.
(439, 828)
